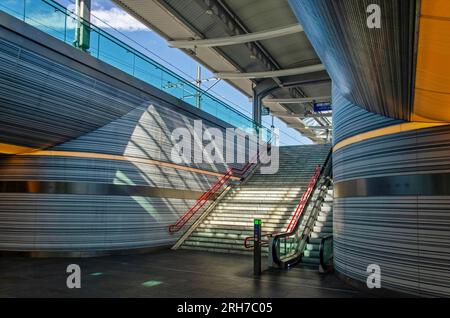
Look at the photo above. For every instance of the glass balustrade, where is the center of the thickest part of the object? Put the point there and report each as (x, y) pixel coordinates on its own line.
(54, 19)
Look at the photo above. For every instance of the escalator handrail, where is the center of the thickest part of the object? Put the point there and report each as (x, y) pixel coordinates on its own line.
(301, 205)
(324, 172)
(298, 210)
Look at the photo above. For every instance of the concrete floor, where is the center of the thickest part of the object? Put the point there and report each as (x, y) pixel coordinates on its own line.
(163, 274)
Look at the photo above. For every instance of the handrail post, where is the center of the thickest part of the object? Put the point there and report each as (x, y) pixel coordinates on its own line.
(257, 247)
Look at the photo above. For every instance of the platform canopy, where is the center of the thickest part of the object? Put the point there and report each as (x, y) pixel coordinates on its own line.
(247, 42)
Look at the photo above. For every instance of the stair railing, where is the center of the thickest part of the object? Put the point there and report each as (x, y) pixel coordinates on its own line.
(212, 193)
(297, 213)
(293, 242)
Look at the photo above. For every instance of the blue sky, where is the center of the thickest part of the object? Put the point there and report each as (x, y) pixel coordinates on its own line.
(129, 30)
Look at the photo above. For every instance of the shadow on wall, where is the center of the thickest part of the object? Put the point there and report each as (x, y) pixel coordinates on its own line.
(74, 222)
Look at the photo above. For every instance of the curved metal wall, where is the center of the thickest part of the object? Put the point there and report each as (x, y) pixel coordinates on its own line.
(350, 120)
(392, 205)
(372, 68)
(101, 177)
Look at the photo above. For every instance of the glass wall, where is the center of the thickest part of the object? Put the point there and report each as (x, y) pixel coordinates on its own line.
(56, 20)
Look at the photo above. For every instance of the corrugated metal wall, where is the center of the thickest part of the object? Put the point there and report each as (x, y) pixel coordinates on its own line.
(392, 205)
(86, 201)
(371, 67)
(351, 120)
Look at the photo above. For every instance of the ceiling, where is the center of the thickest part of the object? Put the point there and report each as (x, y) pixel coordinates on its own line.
(211, 19)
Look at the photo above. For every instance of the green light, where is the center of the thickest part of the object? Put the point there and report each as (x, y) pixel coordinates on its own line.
(257, 221)
(96, 274)
(151, 283)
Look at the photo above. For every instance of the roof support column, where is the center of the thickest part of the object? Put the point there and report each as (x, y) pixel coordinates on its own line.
(260, 91)
(82, 35)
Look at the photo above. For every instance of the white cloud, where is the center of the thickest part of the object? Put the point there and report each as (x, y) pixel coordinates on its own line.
(117, 19)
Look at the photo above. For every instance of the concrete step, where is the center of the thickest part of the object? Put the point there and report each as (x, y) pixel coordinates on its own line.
(325, 218)
(325, 214)
(266, 219)
(311, 253)
(242, 226)
(219, 240)
(323, 229)
(261, 199)
(327, 223)
(267, 192)
(224, 231)
(271, 198)
(318, 235)
(312, 247)
(225, 235)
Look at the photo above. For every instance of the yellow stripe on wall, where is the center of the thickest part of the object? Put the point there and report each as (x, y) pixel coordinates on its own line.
(27, 151)
(395, 129)
(13, 149)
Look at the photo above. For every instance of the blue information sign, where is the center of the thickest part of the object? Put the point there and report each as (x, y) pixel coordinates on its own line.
(322, 107)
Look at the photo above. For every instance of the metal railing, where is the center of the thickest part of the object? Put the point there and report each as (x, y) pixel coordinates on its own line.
(297, 212)
(55, 20)
(213, 191)
(286, 248)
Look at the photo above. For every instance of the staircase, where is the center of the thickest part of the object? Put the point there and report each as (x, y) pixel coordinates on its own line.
(323, 227)
(271, 198)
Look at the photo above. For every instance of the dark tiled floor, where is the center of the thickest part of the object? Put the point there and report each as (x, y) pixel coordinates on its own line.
(174, 273)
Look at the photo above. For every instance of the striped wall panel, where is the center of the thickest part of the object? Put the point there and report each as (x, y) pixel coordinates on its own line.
(425, 151)
(373, 68)
(407, 236)
(63, 169)
(350, 120)
(44, 103)
(42, 222)
(70, 197)
(392, 208)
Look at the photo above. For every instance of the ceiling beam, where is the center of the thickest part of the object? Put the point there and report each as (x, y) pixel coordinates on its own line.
(282, 114)
(271, 74)
(319, 127)
(318, 115)
(301, 116)
(303, 100)
(309, 128)
(237, 39)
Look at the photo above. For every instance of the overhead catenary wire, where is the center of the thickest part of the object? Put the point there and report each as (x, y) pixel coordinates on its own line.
(174, 67)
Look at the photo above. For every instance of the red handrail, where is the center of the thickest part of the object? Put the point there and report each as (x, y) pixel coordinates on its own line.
(299, 208)
(200, 202)
(210, 193)
(301, 205)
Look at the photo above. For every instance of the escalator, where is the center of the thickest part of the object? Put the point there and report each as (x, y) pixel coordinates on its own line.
(310, 241)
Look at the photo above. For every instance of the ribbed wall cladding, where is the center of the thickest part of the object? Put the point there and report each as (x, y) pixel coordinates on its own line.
(45, 103)
(58, 201)
(49, 222)
(350, 120)
(371, 67)
(407, 231)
